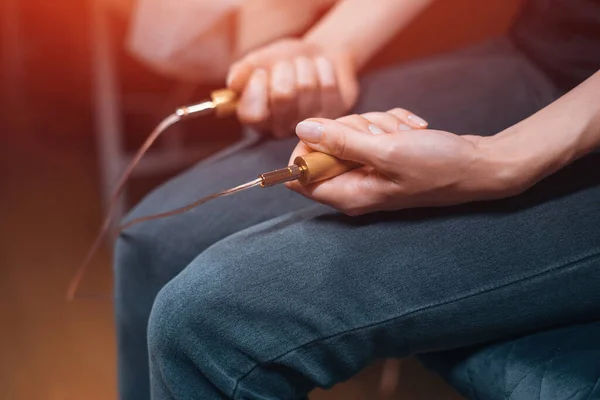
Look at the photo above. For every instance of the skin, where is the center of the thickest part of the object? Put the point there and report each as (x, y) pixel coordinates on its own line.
(289, 80)
(405, 169)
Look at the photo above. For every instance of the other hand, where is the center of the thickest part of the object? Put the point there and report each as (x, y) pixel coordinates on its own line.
(404, 166)
(290, 80)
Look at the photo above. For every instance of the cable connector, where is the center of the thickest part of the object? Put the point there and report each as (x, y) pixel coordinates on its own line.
(223, 102)
(287, 174)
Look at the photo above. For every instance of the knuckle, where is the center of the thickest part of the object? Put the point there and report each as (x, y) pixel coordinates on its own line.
(355, 120)
(388, 122)
(374, 115)
(397, 111)
(339, 144)
(392, 151)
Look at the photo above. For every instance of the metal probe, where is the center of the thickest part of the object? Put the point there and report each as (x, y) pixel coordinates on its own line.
(307, 169)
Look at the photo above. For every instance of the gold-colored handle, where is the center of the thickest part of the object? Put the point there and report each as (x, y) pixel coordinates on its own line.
(225, 102)
(315, 166)
(318, 166)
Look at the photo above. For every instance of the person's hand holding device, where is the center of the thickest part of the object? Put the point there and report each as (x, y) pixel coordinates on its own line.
(290, 80)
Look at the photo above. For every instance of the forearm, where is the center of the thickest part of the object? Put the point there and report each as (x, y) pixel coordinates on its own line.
(260, 22)
(363, 27)
(555, 136)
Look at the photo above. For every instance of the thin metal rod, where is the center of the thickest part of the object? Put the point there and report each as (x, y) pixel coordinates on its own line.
(195, 204)
(76, 280)
(181, 113)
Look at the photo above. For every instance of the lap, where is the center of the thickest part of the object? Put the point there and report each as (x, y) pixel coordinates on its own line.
(479, 90)
(175, 241)
(325, 294)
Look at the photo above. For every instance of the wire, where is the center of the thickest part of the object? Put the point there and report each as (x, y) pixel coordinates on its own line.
(195, 204)
(82, 269)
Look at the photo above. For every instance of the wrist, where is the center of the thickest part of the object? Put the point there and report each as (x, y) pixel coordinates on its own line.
(508, 170)
(345, 70)
(335, 53)
(517, 160)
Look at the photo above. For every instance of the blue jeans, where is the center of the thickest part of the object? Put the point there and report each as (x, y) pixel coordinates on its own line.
(265, 295)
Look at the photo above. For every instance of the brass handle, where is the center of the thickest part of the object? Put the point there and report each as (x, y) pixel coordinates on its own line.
(225, 101)
(319, 166)
(315, 167)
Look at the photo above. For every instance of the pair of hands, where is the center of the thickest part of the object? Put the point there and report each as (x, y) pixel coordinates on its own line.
(405, 165)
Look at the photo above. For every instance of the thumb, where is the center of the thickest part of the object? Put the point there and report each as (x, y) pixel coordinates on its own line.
(239, 75)
(340, 140)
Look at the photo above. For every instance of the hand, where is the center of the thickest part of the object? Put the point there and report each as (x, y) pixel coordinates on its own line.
(289, 80)
(404, 167)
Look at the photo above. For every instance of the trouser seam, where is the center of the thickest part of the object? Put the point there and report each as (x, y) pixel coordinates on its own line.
(572, 263)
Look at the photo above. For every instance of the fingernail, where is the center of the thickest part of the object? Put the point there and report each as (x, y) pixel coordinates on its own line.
(375, 130)
(282, 78)
(404, 127)
(309, 131)
(420, 122)
(325, 71)
(231, 74)
(257, 81)
(304, 72)
(257, 92)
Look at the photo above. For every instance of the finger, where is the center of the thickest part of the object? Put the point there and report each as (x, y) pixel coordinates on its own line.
(283, 98)
(300, 150)
(411, 119)
(348, 86)
(341, 140)
(307, 86)
(359, 123)
(239, 75)
(241, 71)
(353, 192)
(329, 93)
(356, 121)
(252, 108)
(388, 122)
(390, 376)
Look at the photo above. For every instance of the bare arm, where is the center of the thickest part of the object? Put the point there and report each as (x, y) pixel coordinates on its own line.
(260, 22)
(363, 27)
(555, 136)
(410, 168)
(294, 78)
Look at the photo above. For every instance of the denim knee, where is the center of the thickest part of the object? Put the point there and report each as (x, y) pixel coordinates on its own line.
(166, 318)
(187, 325)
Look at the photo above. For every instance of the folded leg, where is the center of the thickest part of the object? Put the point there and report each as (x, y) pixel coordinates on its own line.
(311, 298)
(480, 90)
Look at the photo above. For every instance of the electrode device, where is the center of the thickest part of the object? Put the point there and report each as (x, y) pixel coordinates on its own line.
(306, 169)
